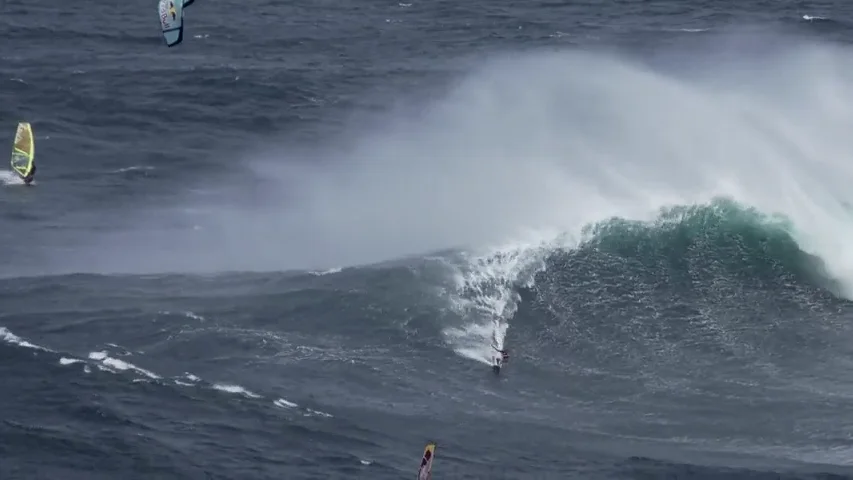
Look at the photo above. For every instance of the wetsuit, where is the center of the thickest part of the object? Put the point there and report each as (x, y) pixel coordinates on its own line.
(29, 178)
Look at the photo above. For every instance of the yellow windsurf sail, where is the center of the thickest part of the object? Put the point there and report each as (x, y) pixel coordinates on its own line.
(24, 150)
(425, 472)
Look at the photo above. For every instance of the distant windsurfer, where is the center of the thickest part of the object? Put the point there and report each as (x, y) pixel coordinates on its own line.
(425, 471)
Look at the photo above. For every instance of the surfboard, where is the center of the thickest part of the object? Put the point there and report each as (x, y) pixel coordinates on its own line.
(172, 21)
(496, 364)
(425, 472)
(24, 150)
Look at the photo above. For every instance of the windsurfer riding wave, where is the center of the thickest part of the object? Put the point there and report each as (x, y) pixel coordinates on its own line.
(504, 353)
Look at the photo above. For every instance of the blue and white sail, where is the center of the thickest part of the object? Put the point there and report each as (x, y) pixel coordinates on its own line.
(172, 21)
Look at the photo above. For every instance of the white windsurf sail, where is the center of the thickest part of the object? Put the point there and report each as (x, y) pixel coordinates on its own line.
(425, 472)
(24, 150)
(172, 21)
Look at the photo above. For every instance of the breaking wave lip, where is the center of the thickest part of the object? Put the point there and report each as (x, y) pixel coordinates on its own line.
(544, 142)
(600, 135)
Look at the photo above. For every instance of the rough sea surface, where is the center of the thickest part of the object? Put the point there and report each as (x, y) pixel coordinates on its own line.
(280, 249)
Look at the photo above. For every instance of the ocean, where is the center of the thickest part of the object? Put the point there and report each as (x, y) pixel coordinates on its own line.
(284, 248)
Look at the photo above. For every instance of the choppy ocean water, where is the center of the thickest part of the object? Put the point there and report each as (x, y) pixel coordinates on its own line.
(280, 249)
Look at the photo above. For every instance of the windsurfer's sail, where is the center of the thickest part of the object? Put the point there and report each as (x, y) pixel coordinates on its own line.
(425, 472)
(172, 21)
(24, 150)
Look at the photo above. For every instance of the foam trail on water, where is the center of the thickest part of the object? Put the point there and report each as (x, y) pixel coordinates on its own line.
(10, 178)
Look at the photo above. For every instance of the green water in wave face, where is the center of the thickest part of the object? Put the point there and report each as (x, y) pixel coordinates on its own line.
(720, 235)
(710, 320)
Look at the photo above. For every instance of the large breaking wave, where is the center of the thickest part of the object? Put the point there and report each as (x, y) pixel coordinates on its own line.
(708, 312)
(555, 142)
(531, 145)
(690, 261)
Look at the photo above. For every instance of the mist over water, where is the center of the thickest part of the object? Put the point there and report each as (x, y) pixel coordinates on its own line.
(532, 142)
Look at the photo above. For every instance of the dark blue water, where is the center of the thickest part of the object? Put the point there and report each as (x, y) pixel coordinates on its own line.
(281, 249)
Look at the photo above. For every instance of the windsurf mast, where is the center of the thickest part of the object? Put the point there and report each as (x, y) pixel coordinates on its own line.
(425, 472)
(172, 21)
(24, 150)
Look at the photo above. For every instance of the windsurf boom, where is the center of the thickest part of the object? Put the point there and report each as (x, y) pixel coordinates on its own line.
(425, 472)
(23, 151)
(172, 21)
